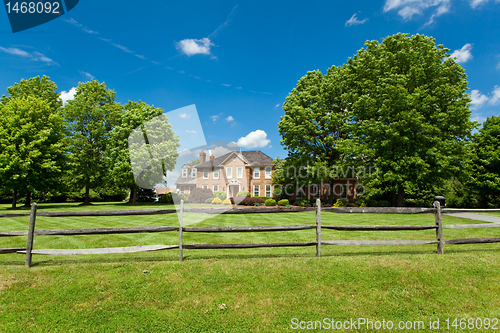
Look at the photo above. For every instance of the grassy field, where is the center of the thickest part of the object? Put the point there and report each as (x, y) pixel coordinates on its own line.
(247, 290)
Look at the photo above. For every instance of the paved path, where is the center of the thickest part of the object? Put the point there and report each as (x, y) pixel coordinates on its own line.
(478, 217)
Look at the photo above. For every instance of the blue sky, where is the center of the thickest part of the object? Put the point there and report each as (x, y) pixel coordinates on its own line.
(237, 61)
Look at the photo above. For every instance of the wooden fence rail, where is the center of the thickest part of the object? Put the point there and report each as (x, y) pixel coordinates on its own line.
(437, 211)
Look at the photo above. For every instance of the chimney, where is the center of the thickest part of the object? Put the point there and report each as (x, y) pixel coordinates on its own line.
(211, 157)
(203, 157)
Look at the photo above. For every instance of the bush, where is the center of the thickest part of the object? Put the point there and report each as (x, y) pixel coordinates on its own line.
(178, 197)
(278, 193)
(362, 204)
(243, 194)
(350, 204)
(339, 203)
(217, 201)
(226, 202)
(209, 200)
(166, 198)
(200, 195)
(283, 202)
(251, 201)
(145, 195)
(220, 194)
(307, 205)
(270, 202)
(257, 204)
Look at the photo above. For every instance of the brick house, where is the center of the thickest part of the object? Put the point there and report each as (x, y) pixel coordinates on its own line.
(232, 172)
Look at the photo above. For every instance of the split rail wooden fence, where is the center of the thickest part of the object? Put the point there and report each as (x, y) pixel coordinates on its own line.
(437, 211)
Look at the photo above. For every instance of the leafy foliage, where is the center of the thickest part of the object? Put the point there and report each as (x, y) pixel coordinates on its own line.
(270, 202)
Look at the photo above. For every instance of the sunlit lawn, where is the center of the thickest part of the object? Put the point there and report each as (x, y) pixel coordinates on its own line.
(242, 290)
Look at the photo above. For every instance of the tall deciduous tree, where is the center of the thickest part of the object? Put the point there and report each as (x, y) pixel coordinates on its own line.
(91, 115)
(162, 141)
(408, 112)
(42, 88)
(32, 146)
(485, 176)
(312, 126)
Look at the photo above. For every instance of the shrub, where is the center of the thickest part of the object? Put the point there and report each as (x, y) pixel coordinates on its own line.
(166, 198)
(270, 202)
(278, 193)
(209, 200)
(339, 203)
(257, 204)
(217, 201)
(243, 194)
(350, 204)
(178, 197)
(232, 200)
(363, 204)
(307, 205)
(220, 194)
(200, 195)
(283, 202)
(226, 202)
(251, 201)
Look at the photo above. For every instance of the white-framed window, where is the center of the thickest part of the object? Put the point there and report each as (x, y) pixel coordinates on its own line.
(184, 173)
(191, 187)
(256, 172)
(256, 190)
(268, 172)
(216, 188)
(193, 172)
(182, 189)
(229, 172)
(268, 190)
(239, 172)
(205, 173)
(216, 173)
(204, 186)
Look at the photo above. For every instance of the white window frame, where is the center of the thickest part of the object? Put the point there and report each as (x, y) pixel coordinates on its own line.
(205, 173)
(204, 186)
(268, 186)
(256, 187)
(184, 173)
(181, 189)
(268, 174)
(193, 172)
(256, 172)
(216, 173)
(215, 188)
(239, 172)
(229, 172)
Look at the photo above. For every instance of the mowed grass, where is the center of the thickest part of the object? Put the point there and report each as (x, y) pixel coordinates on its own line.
(243, 290)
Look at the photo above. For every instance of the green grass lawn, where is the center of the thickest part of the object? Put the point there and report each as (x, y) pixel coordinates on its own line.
(246, 290)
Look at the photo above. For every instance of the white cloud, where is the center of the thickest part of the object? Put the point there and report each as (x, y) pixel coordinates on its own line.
(226, 85)
(184, 115)
(478, 99)
(407, 12)
(33, 56)
(229, 119)
(191, 131)
(81, 26)
(277, 105)
(194, 46)
(354, 21)
(87, 75)
(475, 3)
(68, 95)
(464, 54)
(495, 99)
(123, 48)
(255, 139)
(408, 8)
(216, 117)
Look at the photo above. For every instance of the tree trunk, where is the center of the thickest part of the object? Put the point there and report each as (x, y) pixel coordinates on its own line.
(133, 197)
(401, 196)
(330, 194)
(28, 199)
(14, 199)
(86, 200)
(394, 198)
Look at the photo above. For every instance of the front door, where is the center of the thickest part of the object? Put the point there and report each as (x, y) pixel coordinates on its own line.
(235, 190)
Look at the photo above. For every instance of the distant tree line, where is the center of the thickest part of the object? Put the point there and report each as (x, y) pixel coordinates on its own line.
(78, 151)
(400, 105)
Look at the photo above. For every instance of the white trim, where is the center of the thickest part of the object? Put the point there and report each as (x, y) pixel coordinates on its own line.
(270, 172)
(205, 170)
(193, 172)
(204, 186)
(213, 188)
(258, 190)
(237, 169)
(216, 173)
(270, 190)
(229, 172)
(184, 173)
(254, 173)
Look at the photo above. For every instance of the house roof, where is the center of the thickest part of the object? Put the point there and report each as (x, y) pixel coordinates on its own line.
(252, 158)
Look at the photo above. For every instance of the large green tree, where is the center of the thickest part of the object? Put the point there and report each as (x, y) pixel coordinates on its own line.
(311, 128)
(162, 144)
(32, 146)
(408, 112)
(485, 176)
(42, 88)
(90, 116)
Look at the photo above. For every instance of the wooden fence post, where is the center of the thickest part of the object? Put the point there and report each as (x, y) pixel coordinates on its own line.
(439, 230)
(318, 228)
(180, 230)
(31, 234)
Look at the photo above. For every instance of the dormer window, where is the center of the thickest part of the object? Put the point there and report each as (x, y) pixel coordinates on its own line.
(184, 173)
(193, 172)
